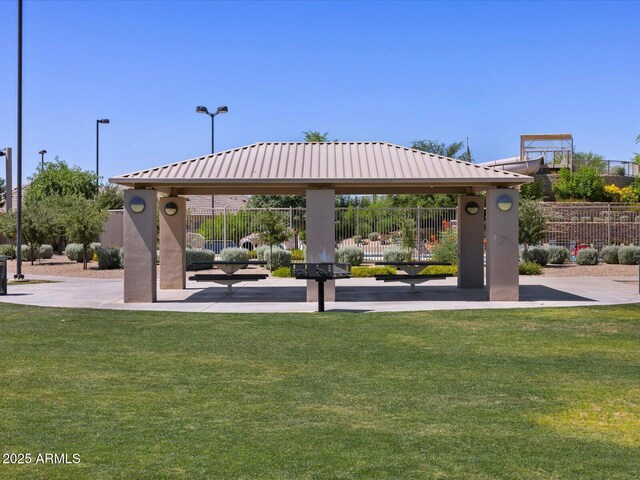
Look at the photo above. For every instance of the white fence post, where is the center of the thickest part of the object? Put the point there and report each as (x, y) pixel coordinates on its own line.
(224, 227)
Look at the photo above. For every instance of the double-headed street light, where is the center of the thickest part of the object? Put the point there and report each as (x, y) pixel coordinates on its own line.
(98, 122)
(41, 153)
(221, 109)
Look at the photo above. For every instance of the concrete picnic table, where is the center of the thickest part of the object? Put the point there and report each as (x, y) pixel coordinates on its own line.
(412, 271)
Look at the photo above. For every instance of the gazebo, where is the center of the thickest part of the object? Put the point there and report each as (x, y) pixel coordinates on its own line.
(320, 171)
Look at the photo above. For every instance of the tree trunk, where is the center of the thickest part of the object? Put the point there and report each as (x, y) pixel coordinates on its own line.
(84, 256)
(31, 250)
(271, 257)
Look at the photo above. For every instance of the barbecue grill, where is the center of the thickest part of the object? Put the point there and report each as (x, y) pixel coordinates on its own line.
(321, 272)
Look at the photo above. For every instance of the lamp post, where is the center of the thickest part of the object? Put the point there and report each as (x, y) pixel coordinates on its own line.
(42, 152)
(98, 122)
(219, 110)
(18, 274)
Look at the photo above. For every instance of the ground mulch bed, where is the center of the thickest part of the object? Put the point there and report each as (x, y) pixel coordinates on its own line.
(600, 270)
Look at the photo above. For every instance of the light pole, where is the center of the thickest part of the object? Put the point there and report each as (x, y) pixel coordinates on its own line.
(18, 274)
(220, 109)
(98, 122)
(42, 152)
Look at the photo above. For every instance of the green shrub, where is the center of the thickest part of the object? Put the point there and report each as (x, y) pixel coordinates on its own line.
(108, 258)
(599, 219)
(627, 255)
(121, 256)
(587, 256)
(357, 239)
(446, 250)
(45, 251)
(281, 258)
(7, 251)
(529, 268)
(199, 255)
(557, 255)
(253, 254)
(352, 255)
(575, 219)
(282, 272)
(373, 236)
(365, 272)
(234, 254)
(94, 246)
(26, 253)
(440, 270)
(260, 251)
(609, 254)
(393, 254)
(74, 252)
(297, 255)
(623, 218)
(585, 219)
(537, 255)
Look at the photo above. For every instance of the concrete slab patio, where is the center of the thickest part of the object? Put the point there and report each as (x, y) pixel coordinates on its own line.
(355, 294)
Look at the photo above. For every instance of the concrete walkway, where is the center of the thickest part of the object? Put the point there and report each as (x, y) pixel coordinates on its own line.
(356, 295)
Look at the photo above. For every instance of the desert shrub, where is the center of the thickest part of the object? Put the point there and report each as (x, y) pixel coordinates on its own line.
(7, 251)
(393, 254)
(446, 250)
(609, 254)
(557, 255)
(623, 218)
(575, 219)
(121, 255)
(373, 236)
(297, 255)
(74, 252)
(281, 258)
(365, 272)
(585, 219)
(587, 256)
(537, 255)
(108, 258)
(627, 255)
(352, 255)
(357, 239)
(45, 251)
(253, 254)
(440, 270)
(529, 268)
(260, 251)
(282, 272)
(199, 255)
(94, 246)
(26, 253)
(234, 254)
(598, 219)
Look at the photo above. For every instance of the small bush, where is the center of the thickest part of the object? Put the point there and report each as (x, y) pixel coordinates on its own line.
(587, 256)
(260, 251)
(7, 251)
(446, 250)
(74, 252)
(627, 255)
(281, 258)
(297, 255)
(609, 254)
(45, 251)
(366, 272)
(282, 272)
(352, 255)
(108, 258)
(199, 255)
(26, 253)
(599, 219)
(575, 219)
(373, 236)
(94, 246)
(537, 255)
(234, 254)
(623, 218)
(557, 255)
(440, 270)
(357, 239)
(529, 268)
(585, 219)
(253, 254)
(393, 254)
(121, 256)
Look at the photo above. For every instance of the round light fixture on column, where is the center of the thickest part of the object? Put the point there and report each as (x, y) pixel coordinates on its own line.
(472, 208)
(505, 203)
(137, 205)
(171, 209)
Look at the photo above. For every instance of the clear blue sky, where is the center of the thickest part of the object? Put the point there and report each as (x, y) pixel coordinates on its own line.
(360, 70)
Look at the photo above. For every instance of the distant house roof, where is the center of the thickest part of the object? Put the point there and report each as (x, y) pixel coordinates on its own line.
(292, 167)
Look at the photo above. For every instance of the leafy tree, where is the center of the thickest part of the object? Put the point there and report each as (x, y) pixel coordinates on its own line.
(59, 179)
(583, 184)
(273, 230)
(83, 223)
(38, 225)
(532, 223)
(451, 150)
(316, 136)
(531, 191)
(636, 156)
(446, 249)
(589, 159)
(110, 198)
(408, 238)
(3, 194)
(9, 226)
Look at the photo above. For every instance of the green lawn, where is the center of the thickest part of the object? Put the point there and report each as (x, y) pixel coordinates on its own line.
(544, 393)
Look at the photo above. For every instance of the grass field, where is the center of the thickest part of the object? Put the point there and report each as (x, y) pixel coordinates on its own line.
(526, 394)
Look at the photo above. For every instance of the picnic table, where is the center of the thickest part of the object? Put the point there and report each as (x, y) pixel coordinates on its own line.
(412, 273)
(229, 267)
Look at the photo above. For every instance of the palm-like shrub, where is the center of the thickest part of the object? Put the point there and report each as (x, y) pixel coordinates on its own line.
(557, 255)
(587, 256)
(609, 254)
(352, 255)
(537, 255)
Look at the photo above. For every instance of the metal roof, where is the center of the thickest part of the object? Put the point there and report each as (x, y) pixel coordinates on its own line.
(292, 167)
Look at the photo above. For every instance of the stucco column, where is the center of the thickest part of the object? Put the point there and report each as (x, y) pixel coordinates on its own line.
(173, 235)
(320, 231)
(470, 241)
(502, 245)
(140, 238)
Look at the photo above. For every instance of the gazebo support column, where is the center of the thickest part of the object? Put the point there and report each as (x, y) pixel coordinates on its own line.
(320, 231)
(502, 245)
(470, 242)
(173, 234)
(140, 238)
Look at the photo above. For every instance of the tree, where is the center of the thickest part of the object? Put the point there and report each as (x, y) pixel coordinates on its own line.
(273, 231)
(583, 184)
(38, 225)
(316, 136)
(83, 223)
(531, 191)
(408, 238)
(9, 226)
(532, 223)
(110, 198)
(452, 150)
(589, 159)
(58, 179)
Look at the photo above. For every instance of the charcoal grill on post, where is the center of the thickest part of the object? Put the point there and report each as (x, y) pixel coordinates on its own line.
(321, 272)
